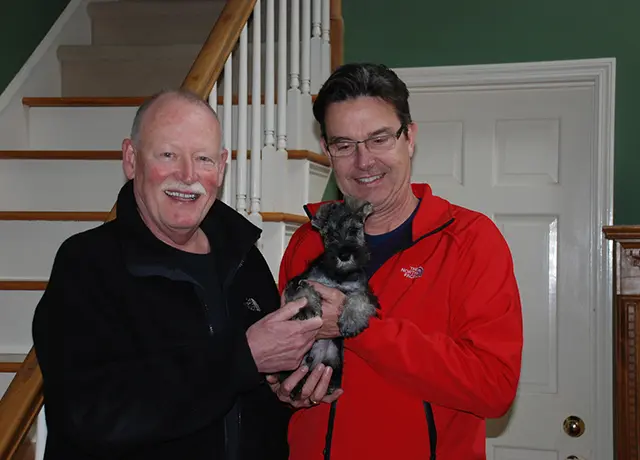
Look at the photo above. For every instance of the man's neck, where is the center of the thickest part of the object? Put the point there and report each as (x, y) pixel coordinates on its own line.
(391, 216)
(197, 243)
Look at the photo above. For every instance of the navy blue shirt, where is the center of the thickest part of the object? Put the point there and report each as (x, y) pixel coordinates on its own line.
(384, 246)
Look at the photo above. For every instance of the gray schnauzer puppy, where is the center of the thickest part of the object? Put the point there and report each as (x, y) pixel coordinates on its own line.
(342, 266)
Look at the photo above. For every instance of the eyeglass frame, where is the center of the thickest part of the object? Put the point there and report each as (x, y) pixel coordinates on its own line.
(395, 137)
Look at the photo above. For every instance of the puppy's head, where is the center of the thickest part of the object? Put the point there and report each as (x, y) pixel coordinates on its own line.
(341, 225)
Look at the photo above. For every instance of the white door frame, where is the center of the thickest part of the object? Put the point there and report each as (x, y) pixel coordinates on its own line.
(564, 74)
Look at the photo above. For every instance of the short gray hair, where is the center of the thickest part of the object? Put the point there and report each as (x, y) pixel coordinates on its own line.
(182, 94)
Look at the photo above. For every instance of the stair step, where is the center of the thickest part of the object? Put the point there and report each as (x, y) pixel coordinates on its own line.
(23, 285)
(132, 70)
(110, 101)
(54, 216)
(97, 216)
(102, 70)
(11, 362)
(117, 155)
(285, 217)
(83, 101)
(101, 123)
(28, 245)
(152, 23)
(172, 1)
(60, 155)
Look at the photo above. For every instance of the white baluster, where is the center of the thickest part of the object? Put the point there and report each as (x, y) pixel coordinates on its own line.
(274, 162)
(213, 97)
(227, 109)
(316, 47)
(256, 137)
(294, 77)
(300, 123)
(317, 18)
(269, 84)
(41, 434)
(241, 157)
(282, 75)
(326, 40)
(305, 85)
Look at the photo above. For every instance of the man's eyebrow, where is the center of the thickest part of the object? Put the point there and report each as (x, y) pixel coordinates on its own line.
(383, 130)
(377, 132)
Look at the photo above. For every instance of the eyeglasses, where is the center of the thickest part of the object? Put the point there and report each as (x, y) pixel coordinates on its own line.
(375, 144)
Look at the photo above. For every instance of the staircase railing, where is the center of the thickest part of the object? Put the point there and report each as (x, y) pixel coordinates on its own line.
(309, 45)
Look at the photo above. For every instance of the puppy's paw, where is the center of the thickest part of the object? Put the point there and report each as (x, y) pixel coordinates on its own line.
(302, 289)
(358, 309)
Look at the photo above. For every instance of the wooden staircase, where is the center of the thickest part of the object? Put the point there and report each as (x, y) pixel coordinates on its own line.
(57, 145)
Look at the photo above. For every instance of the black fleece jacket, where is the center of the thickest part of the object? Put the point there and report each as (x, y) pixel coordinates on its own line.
(134, 364)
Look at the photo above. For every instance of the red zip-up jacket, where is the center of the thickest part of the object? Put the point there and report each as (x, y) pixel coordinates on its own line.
(449, 340)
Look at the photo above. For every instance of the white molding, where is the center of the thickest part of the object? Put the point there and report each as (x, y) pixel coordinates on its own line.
(47, 42)
(40, 74)
(601, 75)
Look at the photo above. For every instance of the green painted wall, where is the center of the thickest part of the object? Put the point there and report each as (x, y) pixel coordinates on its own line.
(23, 24)
(413, 33)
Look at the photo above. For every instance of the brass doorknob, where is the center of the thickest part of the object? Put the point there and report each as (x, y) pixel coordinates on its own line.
(573, 426)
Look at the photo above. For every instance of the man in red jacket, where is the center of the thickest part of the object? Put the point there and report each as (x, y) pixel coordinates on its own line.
(446, 351)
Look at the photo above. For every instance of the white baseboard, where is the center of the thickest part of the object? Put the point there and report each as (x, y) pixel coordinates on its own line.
(40, 74)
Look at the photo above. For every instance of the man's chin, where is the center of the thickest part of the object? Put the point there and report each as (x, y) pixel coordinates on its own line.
(183, 223)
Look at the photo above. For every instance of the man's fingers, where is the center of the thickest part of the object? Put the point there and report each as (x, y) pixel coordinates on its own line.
(320, 390)
(312, 381)
(333, 396)
(323, 290)
(290, 382)
(310, 325)
(288, 310)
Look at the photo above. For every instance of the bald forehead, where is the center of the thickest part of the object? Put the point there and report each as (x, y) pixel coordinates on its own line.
(170, 108)
(170, 104)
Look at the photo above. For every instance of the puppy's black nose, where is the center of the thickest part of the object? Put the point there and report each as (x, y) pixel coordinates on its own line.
(344, 256)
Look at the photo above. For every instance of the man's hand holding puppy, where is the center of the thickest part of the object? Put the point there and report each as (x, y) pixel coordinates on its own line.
(277, 343)
(315, 388)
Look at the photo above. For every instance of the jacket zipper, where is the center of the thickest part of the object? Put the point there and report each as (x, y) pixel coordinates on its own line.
(206, 313)
(431, 428)
(238, 418)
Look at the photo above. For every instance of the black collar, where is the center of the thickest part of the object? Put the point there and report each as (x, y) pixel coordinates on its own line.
(230, 235)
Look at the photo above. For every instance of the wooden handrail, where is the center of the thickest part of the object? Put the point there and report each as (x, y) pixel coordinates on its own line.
(336, 34)
(207, 67)
(20, 405)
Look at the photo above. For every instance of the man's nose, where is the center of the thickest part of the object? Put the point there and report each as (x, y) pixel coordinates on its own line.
(364, 157)
(187, 171)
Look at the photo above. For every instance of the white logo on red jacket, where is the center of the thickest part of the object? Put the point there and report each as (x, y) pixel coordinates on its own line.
(412, 272)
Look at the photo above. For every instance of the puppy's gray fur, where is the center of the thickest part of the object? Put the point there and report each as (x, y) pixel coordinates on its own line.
(341, 266)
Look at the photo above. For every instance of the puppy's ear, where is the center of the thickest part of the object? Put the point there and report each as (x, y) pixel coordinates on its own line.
(362, 207)
(319, 220)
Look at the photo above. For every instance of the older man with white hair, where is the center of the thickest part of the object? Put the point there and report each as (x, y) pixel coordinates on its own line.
(157, 328)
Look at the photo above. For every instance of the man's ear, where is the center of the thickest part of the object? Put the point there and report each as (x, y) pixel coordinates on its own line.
(128, 158)
(223, 165)
(412, 132)
(319, 221)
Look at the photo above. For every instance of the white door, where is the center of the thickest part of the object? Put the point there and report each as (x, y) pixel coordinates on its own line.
(524, 158)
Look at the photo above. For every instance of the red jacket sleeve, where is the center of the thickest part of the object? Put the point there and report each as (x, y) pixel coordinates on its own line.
(305, 245)
(476, 366)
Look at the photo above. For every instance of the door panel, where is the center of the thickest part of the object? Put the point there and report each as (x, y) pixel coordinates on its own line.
(524, 157)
